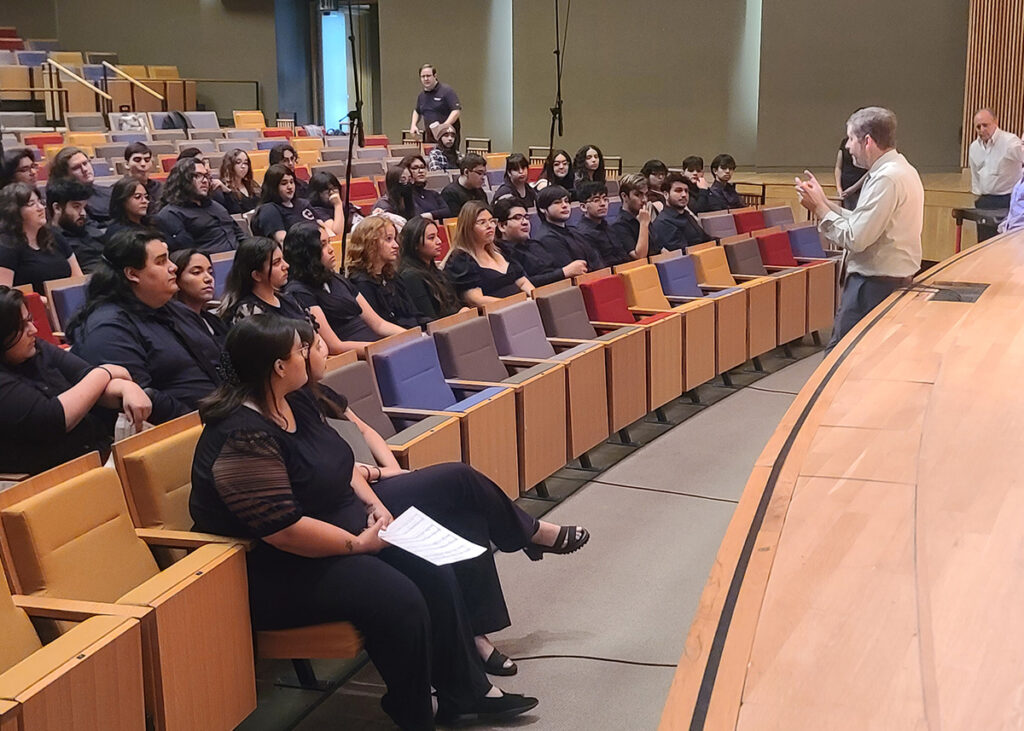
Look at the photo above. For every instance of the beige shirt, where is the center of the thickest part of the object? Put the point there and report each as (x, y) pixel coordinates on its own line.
(995, 165)
(882, 235)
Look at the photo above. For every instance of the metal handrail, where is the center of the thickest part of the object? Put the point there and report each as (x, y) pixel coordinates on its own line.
(132, 79)
(93, 88)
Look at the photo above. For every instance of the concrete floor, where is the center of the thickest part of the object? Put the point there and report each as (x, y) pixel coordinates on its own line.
(597, 634)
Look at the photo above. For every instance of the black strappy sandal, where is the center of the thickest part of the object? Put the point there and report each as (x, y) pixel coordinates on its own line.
(564, 543)
(495, 664)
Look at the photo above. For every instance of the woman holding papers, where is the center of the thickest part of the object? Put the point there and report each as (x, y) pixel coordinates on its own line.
(267, 467)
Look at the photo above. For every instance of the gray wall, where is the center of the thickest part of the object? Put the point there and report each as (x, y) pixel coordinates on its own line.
(32, 18)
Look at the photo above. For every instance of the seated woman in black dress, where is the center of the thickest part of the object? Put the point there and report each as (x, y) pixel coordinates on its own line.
(326, 201)
(256, 283)
(476, 267)
(29, 251)
(429, 289)
(371, 263)
(462, 500)
(53, 400)
(279, 209)
(517, 185)
(129, 203)
(268, 467)
(196, 288)
(345, 318)
(131, 318)
(398, 200)
(241, 193)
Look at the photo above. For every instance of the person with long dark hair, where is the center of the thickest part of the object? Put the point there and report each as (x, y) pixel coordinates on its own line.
(196, 281)
(429, 289)
(55, 404)
(557, 171)
(267, 467)
(445, 153)
(29, 251)
(476, 265)
(19, 166)
(139, 160)
(326, 201)
(189, 217)
(588, 165)
(72, 162)
(256, 283)
(655, 171)
(334, 302)
(517, 185)
(426, 202)
(131, 318)
(371, 264)
(241, 192)
(398, 199)
(279, 209)
(129, 206)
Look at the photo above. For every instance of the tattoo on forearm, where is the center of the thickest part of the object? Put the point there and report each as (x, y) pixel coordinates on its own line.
(348, 546)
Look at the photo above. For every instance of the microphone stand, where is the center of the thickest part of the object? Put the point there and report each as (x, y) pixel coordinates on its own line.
(556, 111)
(355, 131)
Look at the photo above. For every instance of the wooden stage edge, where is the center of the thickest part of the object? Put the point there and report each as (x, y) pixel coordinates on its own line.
(871, 575)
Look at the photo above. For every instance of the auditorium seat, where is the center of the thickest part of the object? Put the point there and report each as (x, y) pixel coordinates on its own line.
(89, 677)
(678, 278)
(467, 353)
(805, 241)
(40, 317)
(65, 531)
(747, 220)
(777, 215)
(249, 119)
(371, 153)
(645, 296)
(604, 295)
(203, 145)
(366, 168)
(411, 383)
(428, 441)
(375, 141)
(202, 120)
(822, 274)
(43, 139)
(235, 143)
(745, 257)
(281, 134)
(85, 122)
(65, 297)
(206, 134)
(519, 333)
(336, 141)
(30, 58)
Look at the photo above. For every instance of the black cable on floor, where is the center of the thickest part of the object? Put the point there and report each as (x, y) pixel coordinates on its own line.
(599, 659)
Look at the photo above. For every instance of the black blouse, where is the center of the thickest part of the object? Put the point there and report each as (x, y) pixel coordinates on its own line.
(250, 305)
(388, 299)
(32, 433)
(32, 266)
(506, 190)
(467, 274)
(273, 217)
(417, 282)
(237, 203)
(538, 263)
(337, 299)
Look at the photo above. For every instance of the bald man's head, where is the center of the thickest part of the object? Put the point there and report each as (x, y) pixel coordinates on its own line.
(985, 124)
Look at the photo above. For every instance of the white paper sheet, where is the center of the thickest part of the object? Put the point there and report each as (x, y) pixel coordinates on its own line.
(422, 536)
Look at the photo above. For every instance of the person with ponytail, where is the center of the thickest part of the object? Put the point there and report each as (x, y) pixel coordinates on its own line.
(132, 319)
(429, 289)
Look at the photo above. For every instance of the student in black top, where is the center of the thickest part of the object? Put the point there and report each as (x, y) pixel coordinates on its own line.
(256, 283)
(677, 227)
(398, 199)
(594, 229)
(139, 159)
(588, 165)
(19, 166)
(632, 231)
(426, 202)
(722, 194)
(72, 162)
(515, 244)
(557, 236)
(693, 171)
(517, 185)
(346, 320)
(469, 186)
(557, 171)
(285, 154)
(476, 266)
(241, 192)
(129, 202)
(655, 172)
(371, 263)
(430, 291)
(53, 400)
(132, 319)
(66, 200)
(268, 467)
(217, 187)
(196, 281)
(188, 217)
(279, 208)
(445, 153)
(326, 202)
(30, 253)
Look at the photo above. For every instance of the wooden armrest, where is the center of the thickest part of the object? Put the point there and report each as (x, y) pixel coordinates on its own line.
(569, 342)
(403, 413)
(646, 311)
(187, 539)
(746, 277)
(772, 268)
(684, 300)
(520, 362)
(473, 385)
(13, 476)
(598, 325)
(73, 610)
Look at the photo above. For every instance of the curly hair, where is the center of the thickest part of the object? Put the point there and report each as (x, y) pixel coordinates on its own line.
(244, 187)
(363, 251)
(11, 161)
(580, 164)
(12, 199)
(303, 252)
(180, 187)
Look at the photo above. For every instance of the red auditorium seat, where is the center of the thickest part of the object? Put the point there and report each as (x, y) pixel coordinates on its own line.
(43, 138)
(12, 44)
(41, 319)
(269, 132)
(776, 251)
(747, 221)
(376, 141)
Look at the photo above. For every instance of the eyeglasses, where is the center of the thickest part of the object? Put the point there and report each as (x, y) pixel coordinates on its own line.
(304, 351)
(518, 217)
(479, 171)
(417, 167)
(486, 222)
(201, 176)
(33, 167)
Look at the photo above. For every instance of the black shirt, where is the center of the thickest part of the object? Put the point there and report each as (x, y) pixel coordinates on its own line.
(236, 203)
(538, 263)
(566, 245)
(86, 243)
(676, 230)
(154, 188)
(98, 205)
(206, 226)
(598, 236)
(626, 231)
(273, 217)
(250, 304)
(435, 106)
(467, 274)
(429, 201)
(167, 350)
(430, 306)
(388, 299)
(722, 196)
(337, 299)
(457, 196)
(32, 266)
(115, 227)
(33, 437)
(699, 202)
(507, 190)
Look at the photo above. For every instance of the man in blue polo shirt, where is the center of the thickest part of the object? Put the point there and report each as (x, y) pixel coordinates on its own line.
(438, 105)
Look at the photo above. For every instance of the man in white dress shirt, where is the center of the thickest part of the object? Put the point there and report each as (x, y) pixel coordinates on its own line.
(995, 159)
(881, 237)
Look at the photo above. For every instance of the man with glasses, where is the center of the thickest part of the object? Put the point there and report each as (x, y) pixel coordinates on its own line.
(66, 200)
(438, 105)
(139, 159)
(676, 227)
(469, 186)
(561, 240)
(189, 217)
(286, 155)
(19, 166)
(594, 229)
(426, 202)
(516, 245)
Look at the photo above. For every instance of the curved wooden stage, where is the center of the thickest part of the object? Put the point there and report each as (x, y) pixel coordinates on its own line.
(872, 576)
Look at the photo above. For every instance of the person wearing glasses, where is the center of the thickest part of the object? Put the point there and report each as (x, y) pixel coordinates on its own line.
(469, 186)
(426, 202)
(515, 244)
(66, 200)
(19, 166)
(595, 230)
(72, 162)
(286, 155)
(189, 218)
(477, 268)
(139, 160)
(129, 203)
(437, 105)
(30, 253)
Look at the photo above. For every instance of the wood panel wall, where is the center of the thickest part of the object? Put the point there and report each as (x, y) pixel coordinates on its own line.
(995, 66)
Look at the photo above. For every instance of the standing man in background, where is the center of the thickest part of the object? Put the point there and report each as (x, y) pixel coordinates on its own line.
(995, 158)
(438, 105)
(881, 237)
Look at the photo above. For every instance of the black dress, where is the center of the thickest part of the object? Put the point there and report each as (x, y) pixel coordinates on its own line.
(337, 299)
(32, 433)
(507, 190)
(236, 203)
(428, 304)
(251, 479)
(252, 305)
(33, 266)
(388, 299)
(467, 274)
(273, 217)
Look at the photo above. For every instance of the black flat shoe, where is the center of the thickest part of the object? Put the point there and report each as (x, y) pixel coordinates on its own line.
(564, 543)
(486, 710)
(495, 664)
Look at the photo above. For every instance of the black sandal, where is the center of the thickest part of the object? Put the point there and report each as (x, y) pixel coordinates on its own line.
(564, 543)
(495, 664)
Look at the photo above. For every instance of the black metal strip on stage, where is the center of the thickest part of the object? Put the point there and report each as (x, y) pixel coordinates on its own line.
(707, 685)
